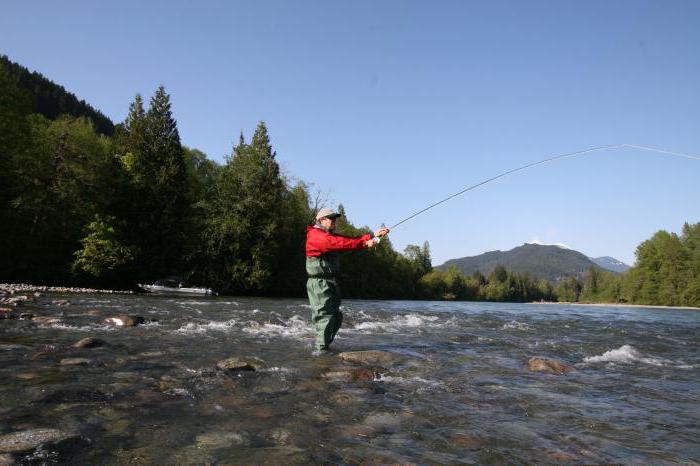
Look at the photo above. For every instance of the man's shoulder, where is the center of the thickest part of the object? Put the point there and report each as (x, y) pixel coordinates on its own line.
(315, 231)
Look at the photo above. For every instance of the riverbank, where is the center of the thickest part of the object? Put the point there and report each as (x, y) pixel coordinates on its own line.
(14, 288)
(569, 303)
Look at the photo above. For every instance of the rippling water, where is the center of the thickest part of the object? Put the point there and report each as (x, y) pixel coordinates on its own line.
(458, 391)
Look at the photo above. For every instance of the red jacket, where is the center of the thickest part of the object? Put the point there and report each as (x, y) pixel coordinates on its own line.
(319, 241)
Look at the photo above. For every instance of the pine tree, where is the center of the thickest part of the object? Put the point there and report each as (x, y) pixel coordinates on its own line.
(152, 155)
(245, 217)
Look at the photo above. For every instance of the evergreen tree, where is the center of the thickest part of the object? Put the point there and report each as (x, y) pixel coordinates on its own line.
(154, 159)
(243, 233)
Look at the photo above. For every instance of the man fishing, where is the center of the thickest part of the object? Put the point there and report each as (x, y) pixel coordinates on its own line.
(322, 265)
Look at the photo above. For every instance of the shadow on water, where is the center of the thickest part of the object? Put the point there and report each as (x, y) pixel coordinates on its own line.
(452, 387)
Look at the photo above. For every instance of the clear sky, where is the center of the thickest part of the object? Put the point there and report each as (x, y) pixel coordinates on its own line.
(388, 106)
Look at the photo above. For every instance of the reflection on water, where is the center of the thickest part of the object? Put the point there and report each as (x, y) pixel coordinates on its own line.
(455, 391)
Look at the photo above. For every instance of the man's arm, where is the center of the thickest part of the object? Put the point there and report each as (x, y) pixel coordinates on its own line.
(324, 242)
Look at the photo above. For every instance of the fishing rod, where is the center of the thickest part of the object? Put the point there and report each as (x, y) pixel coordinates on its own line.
(547, 160)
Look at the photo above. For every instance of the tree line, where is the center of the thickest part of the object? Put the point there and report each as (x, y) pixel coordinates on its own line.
(83, 206)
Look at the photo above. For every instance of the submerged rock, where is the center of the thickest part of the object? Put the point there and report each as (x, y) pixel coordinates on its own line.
(6, 460)
(124, 321)
(234, 365)
(76, 362)
(27, 440)
(216, 440)
(536, 364)
(13, 347)
(16, 300)
(46, 320)
(76, 395)
(89, 342)
(353, 374)
(467, 441)
(368, 357)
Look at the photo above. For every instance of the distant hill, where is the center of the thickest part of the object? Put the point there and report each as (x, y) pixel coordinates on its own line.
(540, 261)
(52, 100)
(610, 263)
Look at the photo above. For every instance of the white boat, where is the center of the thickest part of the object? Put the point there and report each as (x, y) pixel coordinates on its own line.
(160, 289)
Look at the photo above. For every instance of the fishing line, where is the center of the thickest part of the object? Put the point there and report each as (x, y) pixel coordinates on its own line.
(547, 160)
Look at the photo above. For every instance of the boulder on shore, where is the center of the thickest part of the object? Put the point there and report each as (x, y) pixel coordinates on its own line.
(234, 365)
(124, 321)
(536, 364)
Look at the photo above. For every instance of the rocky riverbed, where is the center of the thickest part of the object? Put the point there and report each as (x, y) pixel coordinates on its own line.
(120, 379)
(19, 288)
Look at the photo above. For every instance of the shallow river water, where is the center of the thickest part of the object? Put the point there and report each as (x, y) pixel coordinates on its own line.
(456, 392)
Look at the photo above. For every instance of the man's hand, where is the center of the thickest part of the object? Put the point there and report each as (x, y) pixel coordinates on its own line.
(383, 231)
(370, 243)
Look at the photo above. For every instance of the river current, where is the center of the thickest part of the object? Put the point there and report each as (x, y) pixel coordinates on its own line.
(457, 391)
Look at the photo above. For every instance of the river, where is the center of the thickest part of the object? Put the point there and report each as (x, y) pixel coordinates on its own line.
(457, 390)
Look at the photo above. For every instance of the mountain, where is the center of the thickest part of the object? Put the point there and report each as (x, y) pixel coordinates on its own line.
(51, 99)
(540, 261)
(610, 263)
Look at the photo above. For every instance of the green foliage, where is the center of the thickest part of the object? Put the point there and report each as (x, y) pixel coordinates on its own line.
(244, 218)
(50, 99)
(63, 176)
(419, 258)
(666, 271)
(102, 249)
(156, 190)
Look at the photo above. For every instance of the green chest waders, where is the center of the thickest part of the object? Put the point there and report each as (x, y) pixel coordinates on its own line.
(324, 297)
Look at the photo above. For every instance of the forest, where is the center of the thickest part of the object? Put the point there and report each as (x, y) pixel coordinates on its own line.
(88, 202)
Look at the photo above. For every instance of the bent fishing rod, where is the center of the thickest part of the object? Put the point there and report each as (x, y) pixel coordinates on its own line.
(547, 160)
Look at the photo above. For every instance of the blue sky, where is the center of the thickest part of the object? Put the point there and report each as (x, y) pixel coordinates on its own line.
(390, 106)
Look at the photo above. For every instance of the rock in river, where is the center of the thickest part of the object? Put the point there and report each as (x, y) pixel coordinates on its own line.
(352, 374)
(368, 357)
(30, 439)
(76, 362)
(548, 365)
(89, 342)
(234, 365)
(46, 320)
(124, 321)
